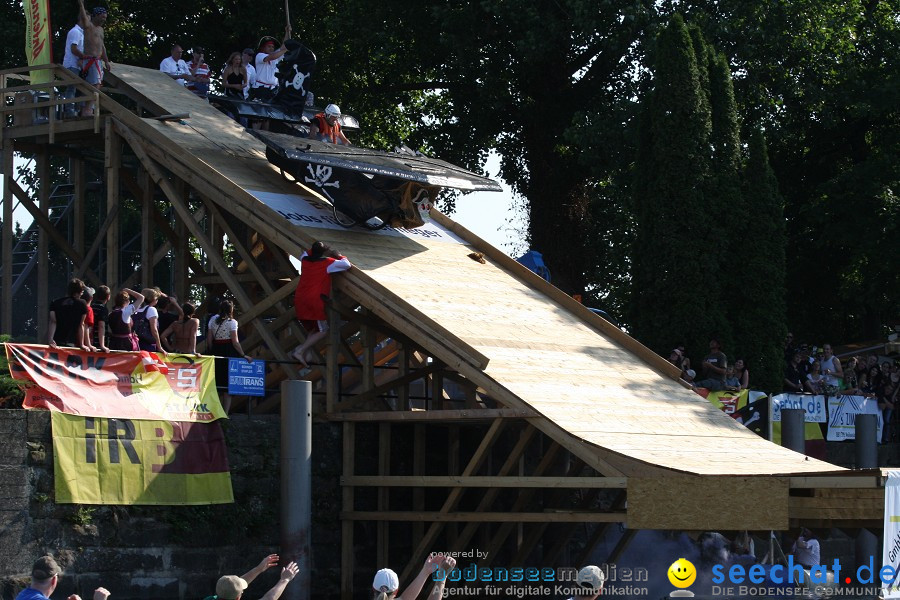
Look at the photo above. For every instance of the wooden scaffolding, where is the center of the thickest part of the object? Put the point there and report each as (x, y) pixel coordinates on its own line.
(480, 406)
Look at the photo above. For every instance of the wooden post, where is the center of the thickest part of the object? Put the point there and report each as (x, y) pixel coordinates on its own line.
(368, 357)
(418, 528)
(332, 368)
(43, 251)
(147, 228)
(8, 231)
(112, 162)
(76, 178)
(349, 449)
(403, 370)
(384, 468)
(181, 251)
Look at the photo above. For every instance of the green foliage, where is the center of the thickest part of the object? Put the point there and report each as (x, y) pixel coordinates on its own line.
(676, 255)
(82, 515)
(758, 300)
(11, 394)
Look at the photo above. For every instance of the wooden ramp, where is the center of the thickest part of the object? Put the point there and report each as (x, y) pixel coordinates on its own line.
(597, 392)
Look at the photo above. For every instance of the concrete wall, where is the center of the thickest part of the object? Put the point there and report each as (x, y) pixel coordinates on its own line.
(159, 552)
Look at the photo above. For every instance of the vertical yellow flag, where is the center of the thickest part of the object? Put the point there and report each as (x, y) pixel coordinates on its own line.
(38, 44)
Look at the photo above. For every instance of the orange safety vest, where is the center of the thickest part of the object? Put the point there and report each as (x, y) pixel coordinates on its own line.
(327, 129)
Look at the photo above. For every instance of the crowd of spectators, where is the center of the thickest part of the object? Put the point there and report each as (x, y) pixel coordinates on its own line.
(808, 370)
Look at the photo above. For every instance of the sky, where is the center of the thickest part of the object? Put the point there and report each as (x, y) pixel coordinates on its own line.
(493, 216)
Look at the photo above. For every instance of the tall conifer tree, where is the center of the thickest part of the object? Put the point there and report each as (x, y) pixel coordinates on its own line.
(761, 322)
(676, 273)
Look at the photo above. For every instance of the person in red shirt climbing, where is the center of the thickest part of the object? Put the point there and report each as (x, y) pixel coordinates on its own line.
(326, 126)
(316, 268)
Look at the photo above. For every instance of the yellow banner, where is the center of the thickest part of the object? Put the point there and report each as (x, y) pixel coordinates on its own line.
(38, 43)
(123, 461)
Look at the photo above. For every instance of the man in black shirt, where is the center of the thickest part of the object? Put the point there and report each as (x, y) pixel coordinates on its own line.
(101, 316)
(67, 315)
(794, 374)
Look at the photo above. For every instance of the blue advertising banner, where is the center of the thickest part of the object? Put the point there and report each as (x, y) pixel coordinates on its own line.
(246, 379)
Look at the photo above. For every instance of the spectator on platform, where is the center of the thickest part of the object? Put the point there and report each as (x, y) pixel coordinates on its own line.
(732, 383)
(67, 315)
(316, 269)
(200, 73)
(175, 67)
(266, 63)
(88, 297)
(184, 330)
(742, 373)
(874, 381)
(806, 549)
(831, 369)
(45, 574)
(74, 52)
(815, 382)
(789, 347)
(120, 334)
(169, 310)
(222, 333)
(676, 357)
(851, 382)
(794, 375)
(247, 60)
(386, 584)
(712, 375)
(231, 587)
(234, 77)
(101, 317)
(887, 398)
(149, 341)
(94, 50)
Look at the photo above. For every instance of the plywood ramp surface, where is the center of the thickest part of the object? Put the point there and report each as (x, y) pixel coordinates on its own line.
(553, 361)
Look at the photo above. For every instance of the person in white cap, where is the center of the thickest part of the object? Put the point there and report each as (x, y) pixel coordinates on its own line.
(231, 587)
(386, 583)
(590, 581)
(326, 126)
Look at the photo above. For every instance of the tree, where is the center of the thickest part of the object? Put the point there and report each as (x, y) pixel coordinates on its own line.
(676, 259)
(759, 299)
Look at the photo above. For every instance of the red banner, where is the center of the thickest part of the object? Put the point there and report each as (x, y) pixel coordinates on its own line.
(121, 385)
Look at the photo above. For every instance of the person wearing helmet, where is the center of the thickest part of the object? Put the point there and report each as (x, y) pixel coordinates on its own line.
(326, 126)
(267, 58)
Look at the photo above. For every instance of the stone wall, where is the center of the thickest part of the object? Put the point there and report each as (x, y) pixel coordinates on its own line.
(146, 552)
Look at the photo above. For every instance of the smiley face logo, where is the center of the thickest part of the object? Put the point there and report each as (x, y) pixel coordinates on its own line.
(682, 573)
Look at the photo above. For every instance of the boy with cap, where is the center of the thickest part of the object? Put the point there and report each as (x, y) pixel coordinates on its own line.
(247, 58)
(44, 578)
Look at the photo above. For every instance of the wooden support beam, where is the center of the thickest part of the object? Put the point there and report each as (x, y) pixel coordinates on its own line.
(112, 163)
(77, 179)
(478, 458)
(419, 450)
(147, 229)
(347, 506)
(440, 416)
(95, 245)
(388, 386)
(486, 481)
(47, 230)
(47, 226)
(440, 517)
(6, 304)
(382, 542)
(187, 217)
(332, 368)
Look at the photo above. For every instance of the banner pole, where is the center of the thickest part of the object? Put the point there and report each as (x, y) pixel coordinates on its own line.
(296, 482)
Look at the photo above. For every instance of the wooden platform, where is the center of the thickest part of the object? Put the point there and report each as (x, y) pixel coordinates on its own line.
(612, 401)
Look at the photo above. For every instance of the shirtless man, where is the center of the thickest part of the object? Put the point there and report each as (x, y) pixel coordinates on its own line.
(94, 49)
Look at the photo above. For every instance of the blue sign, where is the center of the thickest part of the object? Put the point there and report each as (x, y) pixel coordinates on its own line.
(246, 379)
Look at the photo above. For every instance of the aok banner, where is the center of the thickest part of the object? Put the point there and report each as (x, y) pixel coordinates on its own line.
(124, 461)
(117, 384)
(38, 43)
